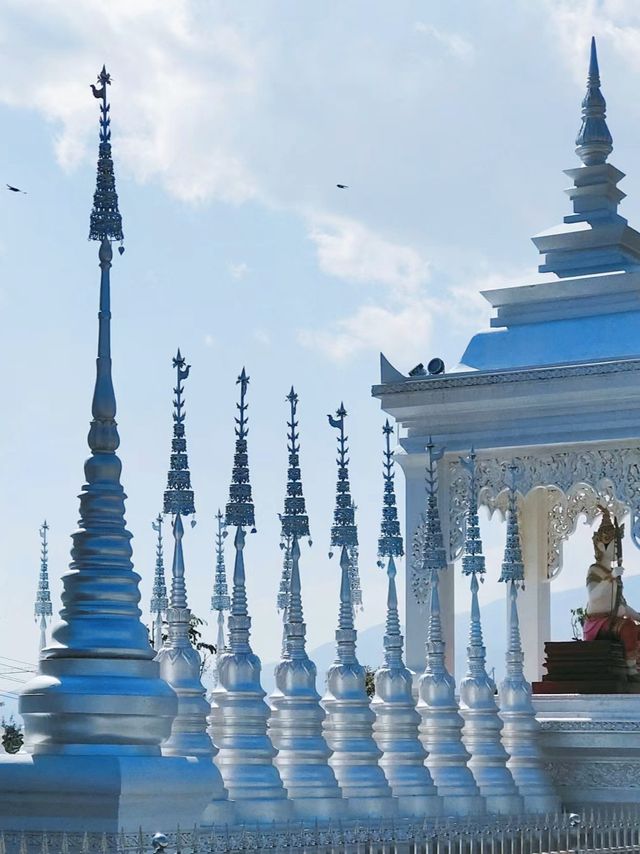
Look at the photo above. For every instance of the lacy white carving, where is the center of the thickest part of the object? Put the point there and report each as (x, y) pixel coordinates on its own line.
(578, 480)
(589, 775)
(564, 510)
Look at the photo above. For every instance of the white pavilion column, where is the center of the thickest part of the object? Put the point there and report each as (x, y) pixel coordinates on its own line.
(413, 466)
(534, 602)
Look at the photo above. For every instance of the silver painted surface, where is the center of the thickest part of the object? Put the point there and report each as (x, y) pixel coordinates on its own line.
(521, 734)
(348, 725)
(239, 713)
(482, 723)
(441, 726)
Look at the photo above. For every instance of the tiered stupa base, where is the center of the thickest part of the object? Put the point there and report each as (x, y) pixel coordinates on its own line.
(102, 793)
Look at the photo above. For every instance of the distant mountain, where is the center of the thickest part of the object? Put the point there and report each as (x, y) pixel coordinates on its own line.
(494, 630)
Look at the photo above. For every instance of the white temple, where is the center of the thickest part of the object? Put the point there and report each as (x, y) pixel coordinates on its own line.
(119, 735)
(554, 390)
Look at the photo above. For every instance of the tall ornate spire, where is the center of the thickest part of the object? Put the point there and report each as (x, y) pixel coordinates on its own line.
(348, 727)
(390, 540)
(43, 608)
(441, 725)
(521, 731)
(294, 519)
(396, 727)
(100, 618)
(106, 222)
(295, 725)
(159, 600)
(239, 714)
(220, 600)
(179, 661)
(390, 546)
(594, 142)
(482, 727)
(344, 533)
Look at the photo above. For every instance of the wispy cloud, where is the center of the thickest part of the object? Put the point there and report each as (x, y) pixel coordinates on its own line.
(237, 269)
(348, 250)
(455, 44)
(398, 332)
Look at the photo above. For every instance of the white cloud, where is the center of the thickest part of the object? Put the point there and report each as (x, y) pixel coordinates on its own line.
(348, 250)
(173, 94)
(237, 270)
(209, 341)
(455, 44)
(400, 333)
(262, 337)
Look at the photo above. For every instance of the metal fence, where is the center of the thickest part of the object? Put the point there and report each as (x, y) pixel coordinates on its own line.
(613, 832)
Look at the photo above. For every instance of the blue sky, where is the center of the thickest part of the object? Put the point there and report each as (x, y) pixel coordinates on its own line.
(232, 123)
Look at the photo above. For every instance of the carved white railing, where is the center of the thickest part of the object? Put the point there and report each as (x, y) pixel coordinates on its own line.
(616, 832)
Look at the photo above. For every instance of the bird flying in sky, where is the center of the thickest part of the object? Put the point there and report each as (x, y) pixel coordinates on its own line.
(342, 186)
(16, 189)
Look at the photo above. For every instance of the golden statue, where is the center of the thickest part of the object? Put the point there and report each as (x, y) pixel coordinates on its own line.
(608, 615)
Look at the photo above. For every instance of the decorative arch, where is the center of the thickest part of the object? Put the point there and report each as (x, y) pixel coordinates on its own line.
(576, 481)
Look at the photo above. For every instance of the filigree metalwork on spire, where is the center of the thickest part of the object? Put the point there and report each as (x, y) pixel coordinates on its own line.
(513, 565)
(594, 141)
(473, 559)
(43, 607)
(178, 497)
(344, 533)
(240, 511)
(159, 601)
(390, 540)
(428, 554)
(220, 600)
(106, 222)
(294, 519)
(295, 522)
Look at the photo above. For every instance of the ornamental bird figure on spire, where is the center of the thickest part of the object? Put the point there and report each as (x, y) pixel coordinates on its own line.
(106, 222)
(594, 141)
(344, 533)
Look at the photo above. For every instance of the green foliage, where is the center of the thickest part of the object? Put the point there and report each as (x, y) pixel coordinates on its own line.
(578, 619)
(205, 649)
(369, 680)
(12, 737)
